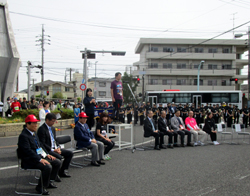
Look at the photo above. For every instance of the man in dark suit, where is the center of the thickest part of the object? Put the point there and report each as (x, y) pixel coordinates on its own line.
(164, 128)
(34, 155)
(150, 130)
(47, 136)
(86, 139)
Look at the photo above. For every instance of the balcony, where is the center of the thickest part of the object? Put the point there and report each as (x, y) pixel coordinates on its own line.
(193, 56)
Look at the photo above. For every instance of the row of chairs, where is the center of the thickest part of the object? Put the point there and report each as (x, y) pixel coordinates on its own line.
(238, 129)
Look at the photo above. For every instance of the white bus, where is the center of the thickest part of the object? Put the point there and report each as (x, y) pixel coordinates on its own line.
(197, 97)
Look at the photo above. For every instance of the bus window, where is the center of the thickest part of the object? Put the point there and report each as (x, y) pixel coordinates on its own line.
(234, 98)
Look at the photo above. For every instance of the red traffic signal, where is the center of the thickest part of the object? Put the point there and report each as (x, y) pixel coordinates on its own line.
(47, 93)
(236, 80)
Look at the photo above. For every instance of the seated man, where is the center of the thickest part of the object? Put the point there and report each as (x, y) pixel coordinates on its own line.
(194, 129)
(33, 155)
(47, 136)
(85, 139)
(163, 128)
(179, 128)
(150, 130)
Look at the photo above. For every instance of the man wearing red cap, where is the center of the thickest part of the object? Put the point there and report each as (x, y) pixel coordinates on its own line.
(34, 156)
(85, 139)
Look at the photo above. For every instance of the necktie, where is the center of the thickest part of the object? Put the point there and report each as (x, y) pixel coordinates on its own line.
(179, 121)
(34, 136)
(52, 137)
(152, 124)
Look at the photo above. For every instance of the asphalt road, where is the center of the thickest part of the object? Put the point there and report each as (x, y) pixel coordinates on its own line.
(206, 170)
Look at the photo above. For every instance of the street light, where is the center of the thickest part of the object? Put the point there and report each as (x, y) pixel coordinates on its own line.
(238, 36)
(90, 54)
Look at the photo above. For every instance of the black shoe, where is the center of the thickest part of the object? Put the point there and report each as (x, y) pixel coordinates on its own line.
(52, 185)
(190, 144)
(182, 145)
(170, 146)
(100, 163)
(64, 175)
(162, 147)
(95, 164)
(157, 148)
(58, 179)
(42, 191)
(176, 145)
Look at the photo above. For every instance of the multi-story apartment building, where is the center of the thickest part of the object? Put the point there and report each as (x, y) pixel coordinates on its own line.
(173, 63)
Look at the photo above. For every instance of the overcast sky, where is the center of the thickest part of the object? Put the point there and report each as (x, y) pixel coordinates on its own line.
(113, 25)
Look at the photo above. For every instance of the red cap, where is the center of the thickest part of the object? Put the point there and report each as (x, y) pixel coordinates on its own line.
(31, 118)
(83, 115)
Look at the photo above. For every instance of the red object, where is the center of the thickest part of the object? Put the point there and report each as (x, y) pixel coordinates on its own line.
(15, 106)
(171, 90)
(107, 105)
(236, 79)
(31, 118)
(83, 115)
(83, 87)
(138, 79)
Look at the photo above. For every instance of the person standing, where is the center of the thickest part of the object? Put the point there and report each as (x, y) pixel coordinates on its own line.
(89, 103)
(33, 104)
(117, 94)
(76, 113)
(43, 112)
(129, 110)
(141, 114)
(230, 115)
(59, 105)
(15, 106)
(155, 112)
(136, 114)
(245, 113)
(122, 110)
(7, 108)
(24, 104)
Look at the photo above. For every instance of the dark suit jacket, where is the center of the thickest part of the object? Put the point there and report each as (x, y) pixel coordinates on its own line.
(44, 136)
(162, 125)
(209, 123)
(148, 129)
(27, 149)
(82, 135)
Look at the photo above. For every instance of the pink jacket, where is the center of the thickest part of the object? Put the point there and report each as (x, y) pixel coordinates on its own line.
(191, 123)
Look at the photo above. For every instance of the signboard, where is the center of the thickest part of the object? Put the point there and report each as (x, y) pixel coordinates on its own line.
(83, 87)
(83, 81)
(98, 111)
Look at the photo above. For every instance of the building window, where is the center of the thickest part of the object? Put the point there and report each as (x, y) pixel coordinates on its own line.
(153, 81)
(223, 82)
(225, 66)
(153, 49)
(181, 82)
(56, 89)
(181, 66)
(181, 49)
(226, 50)
(196, 66)
(67, 89)
(37, 88)
(167, 82)
(198, 50)
(102, 84)
(167, 65)
(195, 82)
(102, 93)
(212, 82)
(168, 49)
(211, 66)
(212, 50)
(153, 65)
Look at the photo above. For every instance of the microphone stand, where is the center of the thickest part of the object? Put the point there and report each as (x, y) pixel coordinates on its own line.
(134, 148)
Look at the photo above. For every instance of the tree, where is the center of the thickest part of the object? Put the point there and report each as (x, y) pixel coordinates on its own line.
(128, 79)
(58, 95)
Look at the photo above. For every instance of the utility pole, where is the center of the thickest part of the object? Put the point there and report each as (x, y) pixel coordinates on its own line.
(248, 62)
(85, 76)
(42, 42)
(95, 80)
(70, 69)
(28, 72)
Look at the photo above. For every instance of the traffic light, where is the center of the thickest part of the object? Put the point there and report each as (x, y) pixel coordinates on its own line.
(47, 93)
(235, 80)
(138, 80)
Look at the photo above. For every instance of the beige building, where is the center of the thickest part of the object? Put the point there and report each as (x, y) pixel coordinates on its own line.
(53, 87)
(173, 63)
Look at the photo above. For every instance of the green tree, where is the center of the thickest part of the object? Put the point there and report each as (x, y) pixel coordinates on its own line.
(58, 95)
(128, 79)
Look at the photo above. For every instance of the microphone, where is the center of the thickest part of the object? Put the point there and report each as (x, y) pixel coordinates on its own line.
(60, 110)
